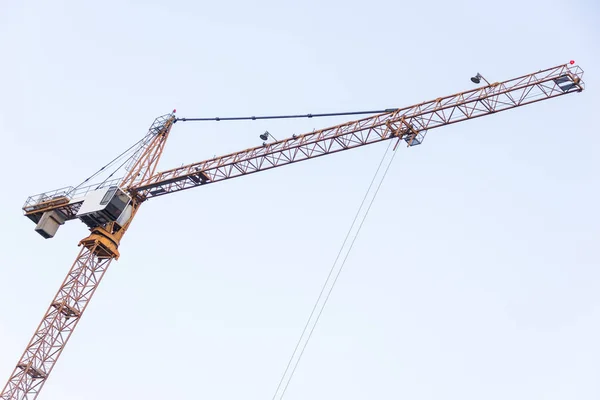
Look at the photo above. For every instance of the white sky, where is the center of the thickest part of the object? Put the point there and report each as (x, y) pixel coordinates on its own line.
(475, 276)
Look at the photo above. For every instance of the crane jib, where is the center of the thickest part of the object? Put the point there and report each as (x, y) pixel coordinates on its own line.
(410, 123)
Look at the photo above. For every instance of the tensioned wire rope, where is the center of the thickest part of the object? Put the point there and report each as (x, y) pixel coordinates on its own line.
(114, 160)
(288, 116)
(331, 278)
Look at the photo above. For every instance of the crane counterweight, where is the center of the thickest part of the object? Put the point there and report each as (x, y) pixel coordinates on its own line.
(49, 223)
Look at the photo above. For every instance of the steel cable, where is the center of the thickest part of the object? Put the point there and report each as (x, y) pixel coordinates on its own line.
(331, 271)
(254, 118)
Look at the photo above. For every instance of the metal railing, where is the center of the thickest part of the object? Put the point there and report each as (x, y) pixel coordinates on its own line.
(65, 194)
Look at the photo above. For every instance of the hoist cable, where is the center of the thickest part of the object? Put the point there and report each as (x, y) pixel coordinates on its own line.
(331, 271)
(253, 118)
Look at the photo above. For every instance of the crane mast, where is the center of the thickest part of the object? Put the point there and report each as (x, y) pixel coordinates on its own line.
(109, 208)
(97, 252)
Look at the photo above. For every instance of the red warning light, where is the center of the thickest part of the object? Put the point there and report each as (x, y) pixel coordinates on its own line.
(572, 62)
(174, 110)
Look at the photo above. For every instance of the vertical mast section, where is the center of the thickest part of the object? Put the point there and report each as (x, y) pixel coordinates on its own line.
(58, 323)
(65, 310)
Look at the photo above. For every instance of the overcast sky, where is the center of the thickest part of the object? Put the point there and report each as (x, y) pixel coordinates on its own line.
(475, 275)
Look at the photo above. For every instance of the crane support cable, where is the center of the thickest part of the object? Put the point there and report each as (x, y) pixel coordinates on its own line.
(131, 153)
(334, 273)
(114, 160)
(253, 118)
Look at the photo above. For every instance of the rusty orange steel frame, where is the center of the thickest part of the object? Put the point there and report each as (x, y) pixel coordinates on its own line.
(142, 183)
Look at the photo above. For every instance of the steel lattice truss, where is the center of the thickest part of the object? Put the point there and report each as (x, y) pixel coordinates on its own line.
(58, 324)
(101, 246)
(410, 123)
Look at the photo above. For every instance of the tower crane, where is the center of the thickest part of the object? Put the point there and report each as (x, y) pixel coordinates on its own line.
(109, 208)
